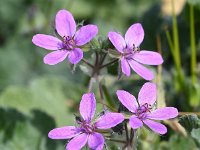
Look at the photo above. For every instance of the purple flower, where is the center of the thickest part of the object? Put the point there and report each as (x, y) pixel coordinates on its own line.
(141, 110)
(86, 131)
(131, 56)
(70, 40)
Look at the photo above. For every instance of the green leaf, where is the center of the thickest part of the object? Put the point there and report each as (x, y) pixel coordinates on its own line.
(55, 96)
(196, 135)
(190, 122)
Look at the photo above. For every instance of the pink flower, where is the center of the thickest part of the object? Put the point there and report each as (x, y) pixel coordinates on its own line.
(141, 110)
(131, 54)
(86, 131)
(70, 40)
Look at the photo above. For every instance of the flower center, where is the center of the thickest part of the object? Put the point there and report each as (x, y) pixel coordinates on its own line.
(143, 110)
(129, 52)
(68, 43)
(87, 127)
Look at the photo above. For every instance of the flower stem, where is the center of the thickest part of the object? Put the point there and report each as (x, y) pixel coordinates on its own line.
(86, 62)
(110, 63)
(193, 46)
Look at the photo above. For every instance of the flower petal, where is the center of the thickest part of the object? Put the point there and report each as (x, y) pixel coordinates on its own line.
(135, 122)
(65, 24)
(96, 141)
(109, 120)
(64, 132)
(134, 35)
(78, 142)
(75, 55)
(55, 57)
(47, 41)
(148, 57)
(141, 70)
(163, 113)
(87, 106)
(117, 40)
(147, 94)
(125, 67)
(128, 100)
(155, 126)
(85, 34)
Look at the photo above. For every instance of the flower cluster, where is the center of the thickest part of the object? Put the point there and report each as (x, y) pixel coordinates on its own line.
(88, 127)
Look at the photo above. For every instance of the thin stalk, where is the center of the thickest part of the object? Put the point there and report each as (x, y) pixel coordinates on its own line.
(188, 113)
(171, 46)
(86, 62)
(126, 131)
(176, 37)
(192, 44)
(110, 63)
(176, 47)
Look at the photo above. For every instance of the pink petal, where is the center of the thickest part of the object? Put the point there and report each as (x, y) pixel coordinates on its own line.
(128, 100)
(147, 94)
(75, 55)
(148, 57)
(64, 132)
(117, 40)
(85, 34)
(125, 67)
(78, 142)
(155, 126)
(96, 141)
(87, 106)
(109, 120)
(47, 41)
(135, 122)
(134, 35)
(65, 24)
(55, 57)
(141, 70)
(163, 113)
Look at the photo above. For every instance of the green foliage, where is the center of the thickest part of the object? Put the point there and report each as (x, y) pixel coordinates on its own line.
(192, 125)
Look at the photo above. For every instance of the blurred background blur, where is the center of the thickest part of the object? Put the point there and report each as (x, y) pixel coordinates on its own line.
(35, 98)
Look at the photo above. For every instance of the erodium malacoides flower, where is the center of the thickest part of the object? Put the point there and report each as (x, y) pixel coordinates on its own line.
(68, 45)
(131, 55)
(142, 109)
(86, 131)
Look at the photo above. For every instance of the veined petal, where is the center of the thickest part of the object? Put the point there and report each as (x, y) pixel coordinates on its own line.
(163, 113)
(87, 106)
(75, 55)
(125, 67)
(96, 141)
(147, 94)
(65, 24)
(141, 70)
(109, 120)
(117, 40)
(85, 34)
(148, 57)
(135, 122)
(155, 126)
(77, 142)
(128, 100)
(47, 41)
(64, 132)
(134, 35)
(55, 57)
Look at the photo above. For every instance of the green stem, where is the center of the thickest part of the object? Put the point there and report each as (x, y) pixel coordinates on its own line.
(192, 44)
(110, 63)
(86, 62)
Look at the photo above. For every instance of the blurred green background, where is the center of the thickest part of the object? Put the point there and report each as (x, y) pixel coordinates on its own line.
(35, 98)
